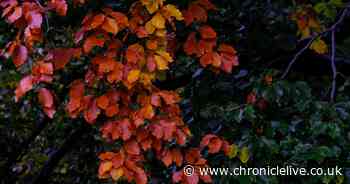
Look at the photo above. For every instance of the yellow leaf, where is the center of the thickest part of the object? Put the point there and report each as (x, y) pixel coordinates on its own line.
(244, 154)
(319, 46)
(162, 64)
(172, 11)
(152, 5)
(147, 78)
(117, 173)
(233, 151)
(161, 33)
(133, 76)
(149, 27)
(158, 21)
(165, 55)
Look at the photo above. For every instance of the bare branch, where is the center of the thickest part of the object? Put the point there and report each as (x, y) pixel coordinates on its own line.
(312, 38)
(334, 68)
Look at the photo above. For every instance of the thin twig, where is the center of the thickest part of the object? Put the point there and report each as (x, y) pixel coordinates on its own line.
(334, 68)
(296, 56)
(312, 38)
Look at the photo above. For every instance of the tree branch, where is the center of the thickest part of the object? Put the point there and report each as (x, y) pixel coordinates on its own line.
(312, 38)
(334, 68)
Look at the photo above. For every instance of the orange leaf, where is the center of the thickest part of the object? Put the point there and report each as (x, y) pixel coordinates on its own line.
(104, 167)
(118, 159)
(117, 173)
(103, 102)
(106, 156)
(177, 157)
(169, 97)
(141, 32)
(224, 48)
(133, 76)
(167, 158)
(110, 25)
(42, 68)
(96, 21)
(134, 53)
(93, 41)
(112, 110)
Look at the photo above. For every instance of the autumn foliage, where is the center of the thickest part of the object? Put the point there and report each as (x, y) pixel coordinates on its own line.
(139, 114)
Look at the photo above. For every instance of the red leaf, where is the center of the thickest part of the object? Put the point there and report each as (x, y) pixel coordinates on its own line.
(34, 19)
(132, 147)
(205, 46)
(103, 102)
(92, 112)
(215, 145)
(206, 140)
(60, 6)
(25, 85)
(190, 46)
(16, 14)
(42, 68)
(45, 98)
(20, 55)
(207, 4)
(125, 129)
(177, 176)
(141, 178)
(151, 63)
(207, 32)
(193, 179)
(77, 90)
(61, 56)
(195, 13)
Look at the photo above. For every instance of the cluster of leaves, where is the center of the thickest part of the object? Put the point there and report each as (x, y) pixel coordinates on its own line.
(106, 67)
(135, 111)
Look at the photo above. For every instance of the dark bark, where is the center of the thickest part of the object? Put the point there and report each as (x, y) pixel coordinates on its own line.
(57, 155)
